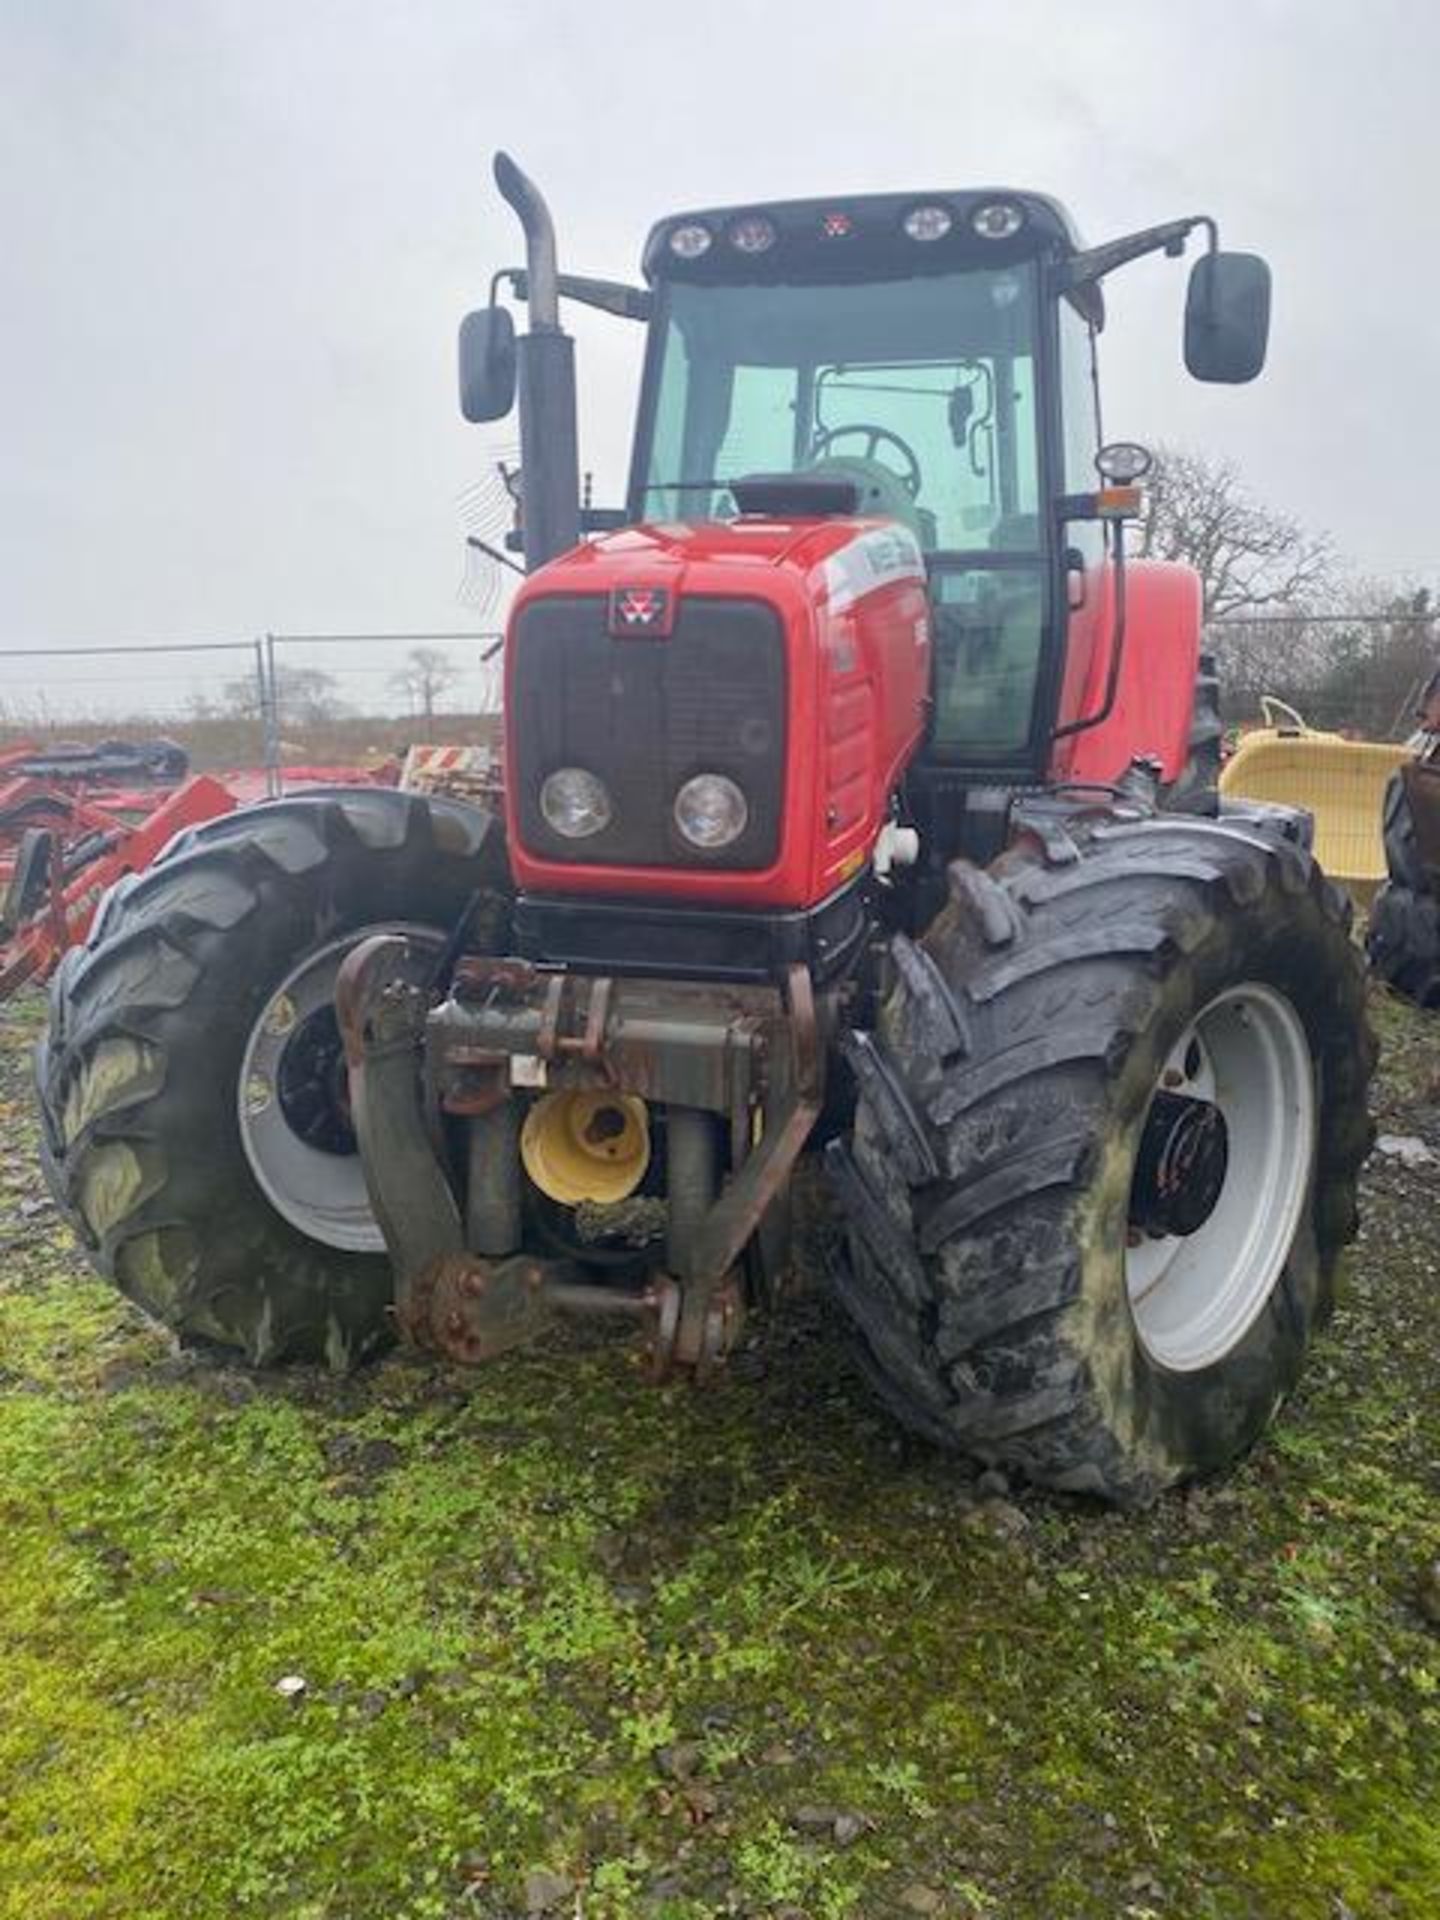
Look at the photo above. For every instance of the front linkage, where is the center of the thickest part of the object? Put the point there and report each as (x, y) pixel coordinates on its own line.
(734, 1075)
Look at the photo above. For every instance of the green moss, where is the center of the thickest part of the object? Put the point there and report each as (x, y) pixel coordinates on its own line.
(516, 1599)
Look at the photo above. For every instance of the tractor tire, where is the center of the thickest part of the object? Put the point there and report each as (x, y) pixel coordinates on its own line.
(1402, 854)
(1403, 942)
(1403, 937)
(191, 1085)
(1196, 787)
(1005, 1140)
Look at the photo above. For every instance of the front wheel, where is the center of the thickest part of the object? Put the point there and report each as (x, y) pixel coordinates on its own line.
(192, 1085)
(1099, 1191)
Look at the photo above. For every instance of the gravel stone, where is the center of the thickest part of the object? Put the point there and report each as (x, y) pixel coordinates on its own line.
(544, 1890)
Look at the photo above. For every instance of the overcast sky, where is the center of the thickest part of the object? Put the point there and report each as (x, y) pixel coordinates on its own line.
(238, 234)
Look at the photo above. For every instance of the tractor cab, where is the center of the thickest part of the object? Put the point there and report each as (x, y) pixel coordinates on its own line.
(898, 348)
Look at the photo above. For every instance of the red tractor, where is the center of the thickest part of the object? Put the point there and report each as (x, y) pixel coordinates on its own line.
(859, 799)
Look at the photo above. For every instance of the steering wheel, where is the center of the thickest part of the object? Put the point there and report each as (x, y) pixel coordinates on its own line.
(825, 439)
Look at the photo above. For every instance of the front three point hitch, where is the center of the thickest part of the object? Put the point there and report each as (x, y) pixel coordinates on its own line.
(738, 1064)
(471, 1309)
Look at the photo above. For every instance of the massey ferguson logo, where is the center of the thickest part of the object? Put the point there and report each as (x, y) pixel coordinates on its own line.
(641, 610)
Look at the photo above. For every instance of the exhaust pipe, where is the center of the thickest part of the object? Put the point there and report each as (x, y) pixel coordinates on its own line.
(549, 451)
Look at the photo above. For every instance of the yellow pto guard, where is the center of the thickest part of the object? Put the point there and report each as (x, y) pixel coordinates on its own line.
(1341, 782)
(586, 1146)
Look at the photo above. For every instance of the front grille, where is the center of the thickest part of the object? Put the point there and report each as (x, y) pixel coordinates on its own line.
(644, 715)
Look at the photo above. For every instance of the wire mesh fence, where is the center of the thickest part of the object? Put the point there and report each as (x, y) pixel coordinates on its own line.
(274, 702)
(286, 700)
(362, 696)
(207, 694)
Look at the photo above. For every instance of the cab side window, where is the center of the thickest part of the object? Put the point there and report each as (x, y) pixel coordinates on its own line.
(1080, 424)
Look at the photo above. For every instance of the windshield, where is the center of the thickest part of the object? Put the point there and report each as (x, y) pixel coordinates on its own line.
(930, 380)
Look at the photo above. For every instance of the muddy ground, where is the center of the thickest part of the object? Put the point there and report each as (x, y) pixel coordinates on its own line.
(546, 1639)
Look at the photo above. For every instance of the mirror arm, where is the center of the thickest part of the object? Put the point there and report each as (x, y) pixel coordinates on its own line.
(1095, 262)
(516, 277)
(610, 296)
(1082, 272)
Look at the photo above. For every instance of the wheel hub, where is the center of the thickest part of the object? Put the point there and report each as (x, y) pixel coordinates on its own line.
(1222, 1170)
(1180, 1167)
(293, 1099)
(312, 1086)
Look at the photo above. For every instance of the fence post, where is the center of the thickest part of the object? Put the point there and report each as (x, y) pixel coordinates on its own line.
(274, 771)
(262, 709)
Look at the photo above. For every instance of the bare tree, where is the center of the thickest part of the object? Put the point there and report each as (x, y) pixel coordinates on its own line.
(427, 674)
(306, 696)
(1379, 660)
(1251, 560)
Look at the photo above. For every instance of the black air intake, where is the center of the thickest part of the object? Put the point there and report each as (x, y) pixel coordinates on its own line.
(796, 496)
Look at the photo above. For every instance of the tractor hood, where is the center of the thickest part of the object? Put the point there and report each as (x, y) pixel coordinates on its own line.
(675, 546)
(764, 651)
(801, 566)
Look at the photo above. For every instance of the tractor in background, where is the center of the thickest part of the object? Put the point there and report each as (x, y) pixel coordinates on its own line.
(859, 800)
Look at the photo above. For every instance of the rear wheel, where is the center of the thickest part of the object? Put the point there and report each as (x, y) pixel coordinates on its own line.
(1099, 1185)
(1402, 852)
(1403, 937)
(192, 1083)
(1403, 941)
(1196, 787)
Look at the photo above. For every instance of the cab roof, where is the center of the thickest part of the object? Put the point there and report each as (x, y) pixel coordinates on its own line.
(858, 236)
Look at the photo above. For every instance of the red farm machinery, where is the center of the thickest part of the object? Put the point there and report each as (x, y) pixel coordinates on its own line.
(73, 821)
(860, 802)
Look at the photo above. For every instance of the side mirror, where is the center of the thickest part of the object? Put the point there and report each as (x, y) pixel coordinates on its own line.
(487, 364)
(1227, 317)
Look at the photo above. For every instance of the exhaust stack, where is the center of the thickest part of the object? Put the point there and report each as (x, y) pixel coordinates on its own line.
(549, 455)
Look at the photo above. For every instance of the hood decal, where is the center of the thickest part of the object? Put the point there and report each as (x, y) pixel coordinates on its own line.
(872, 559)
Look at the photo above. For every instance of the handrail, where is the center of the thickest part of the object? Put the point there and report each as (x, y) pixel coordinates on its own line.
(1270, 705)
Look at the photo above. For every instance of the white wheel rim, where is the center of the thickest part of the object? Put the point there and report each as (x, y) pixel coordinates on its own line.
(1194, 1297)
(323, 1194)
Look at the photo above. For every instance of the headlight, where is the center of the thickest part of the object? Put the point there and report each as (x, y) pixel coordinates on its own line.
(1123, 462)
(689, 241)
(575, 803)
(928, 223)
(711, 811)
(753, 234)
(998, 219)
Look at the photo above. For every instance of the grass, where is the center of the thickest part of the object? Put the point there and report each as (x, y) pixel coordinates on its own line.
(568, 1638)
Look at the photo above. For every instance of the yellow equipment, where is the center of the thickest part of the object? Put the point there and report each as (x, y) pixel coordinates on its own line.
(1341, 782)
(586, 1146)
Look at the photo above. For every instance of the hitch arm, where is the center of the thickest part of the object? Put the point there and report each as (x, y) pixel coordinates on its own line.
(382, 1022)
